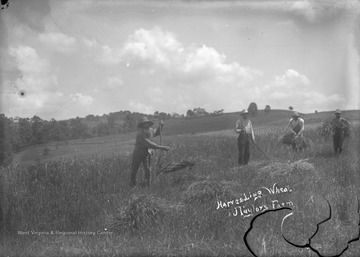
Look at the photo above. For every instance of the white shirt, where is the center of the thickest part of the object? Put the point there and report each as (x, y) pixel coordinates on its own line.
(299, 122)
(246, 126)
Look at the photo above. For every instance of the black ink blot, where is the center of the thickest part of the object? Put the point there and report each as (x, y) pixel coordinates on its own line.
(308, 244)
(4, 4)
(22, 93)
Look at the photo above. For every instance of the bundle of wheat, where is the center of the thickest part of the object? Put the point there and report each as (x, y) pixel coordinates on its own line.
(302, 166)
(175, 166)
(207, 190)
(287, 139)
(329, 128)
(286, 168)
(142, 210)
(277, 168)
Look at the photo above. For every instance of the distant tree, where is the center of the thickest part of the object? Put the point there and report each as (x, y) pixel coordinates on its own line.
(58, 130)
(102, 129)
(216, 112)
(156, 114)
(164, 116)
(78, 129)
(6, 152)
(316, 111)
(252, 109)
(64, 130)
(129, 122)
(37, 130)
(90, 117)
(267, 109)
(291, 108)
(111, 123)
(24, 127)
(190, 113)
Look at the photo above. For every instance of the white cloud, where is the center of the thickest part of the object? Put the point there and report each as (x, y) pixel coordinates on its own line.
(58, 41)
(141, 107)
(157, 50)
(110, 55)
(28, 61)
(89, 42)
(290, 79)
(295, 89)
(82, 99)
(114, 82)
(36, 81)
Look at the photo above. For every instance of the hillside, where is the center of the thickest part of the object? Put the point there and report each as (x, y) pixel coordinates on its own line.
(225, 121)
(124, 143)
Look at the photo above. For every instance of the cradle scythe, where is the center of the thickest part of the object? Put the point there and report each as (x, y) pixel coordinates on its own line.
(174, 166)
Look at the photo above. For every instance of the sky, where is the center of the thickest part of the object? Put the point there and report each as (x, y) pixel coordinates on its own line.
(63, 59)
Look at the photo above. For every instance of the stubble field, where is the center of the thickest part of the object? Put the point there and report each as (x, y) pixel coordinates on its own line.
(294, 204)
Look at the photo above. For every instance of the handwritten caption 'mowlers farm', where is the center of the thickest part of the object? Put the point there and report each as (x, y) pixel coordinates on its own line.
(248, 205)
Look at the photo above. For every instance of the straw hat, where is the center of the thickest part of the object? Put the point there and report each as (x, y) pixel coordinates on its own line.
(244, 111)
(295, 114)
(337, 111)
(144, 121)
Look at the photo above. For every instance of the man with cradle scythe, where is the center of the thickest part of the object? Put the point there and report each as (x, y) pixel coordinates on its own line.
(245, 130)
(143, 149)
(296, 124)
(339, 125)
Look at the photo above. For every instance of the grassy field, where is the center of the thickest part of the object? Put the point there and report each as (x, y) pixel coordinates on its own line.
(77, 202)
(273, 123)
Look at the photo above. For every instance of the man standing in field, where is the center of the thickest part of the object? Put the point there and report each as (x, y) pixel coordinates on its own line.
(296, 124)
(143, 149)
(246, 133)
(339, 126)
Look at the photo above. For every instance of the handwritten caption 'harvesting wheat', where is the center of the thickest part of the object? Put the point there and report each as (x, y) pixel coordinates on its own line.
(248, 205)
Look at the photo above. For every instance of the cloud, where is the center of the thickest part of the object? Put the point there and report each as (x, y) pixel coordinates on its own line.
(30, 13)
(315, 11)
(38, 84)
(82, 99)
(184, 73)
(28, 61)
(110, 55)
(154, 46)
(291, 79)
(114, 81)
(141, 107)
(89, 42)
(157, 50)
(58, 41)
(295, 89)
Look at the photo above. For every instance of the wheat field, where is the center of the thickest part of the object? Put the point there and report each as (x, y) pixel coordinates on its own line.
(294, 204)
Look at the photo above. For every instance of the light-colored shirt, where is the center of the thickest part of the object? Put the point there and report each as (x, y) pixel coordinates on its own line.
(299, 122)
(246, 126)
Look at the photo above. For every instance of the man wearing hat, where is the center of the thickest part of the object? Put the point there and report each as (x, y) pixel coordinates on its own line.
(296, 124)
(245, 130)
(142, 150)
(338, 137)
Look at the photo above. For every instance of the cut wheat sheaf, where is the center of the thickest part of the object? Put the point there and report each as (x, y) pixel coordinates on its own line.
(141, 211)
(328, 128)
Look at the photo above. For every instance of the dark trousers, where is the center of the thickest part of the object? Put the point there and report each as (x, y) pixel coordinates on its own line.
(337, 142)
(140, 156)
(244, 149)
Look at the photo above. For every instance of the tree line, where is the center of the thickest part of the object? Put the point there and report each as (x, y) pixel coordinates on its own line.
(17, 134)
